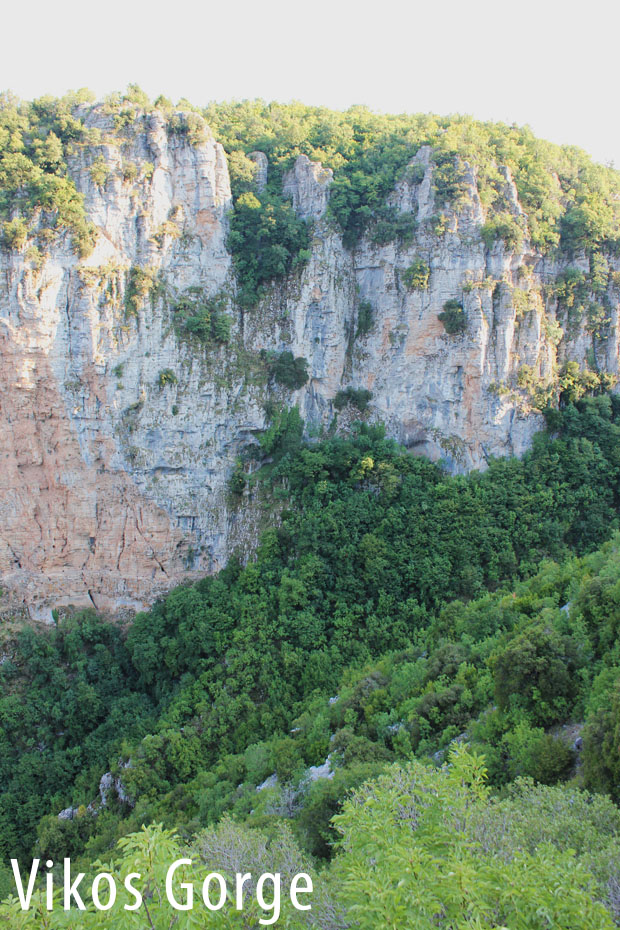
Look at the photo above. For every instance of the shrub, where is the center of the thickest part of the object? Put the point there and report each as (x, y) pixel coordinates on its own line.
(166, 230)
(570, 287)
(357, 397)
(289, 371)
(237, 480)
(393, 226)
(599, 272)
(15, 234)
(588, 222)
(415, 173)
(417, 275)
(365, 319)
(142, 282)
(453, 317)
(438, 223)
(33, 169)
(575, 383)
(99, 171)
(369, 153)
(167, 376)
(220, 327)
(532, 752)
(201, 316)
(136, 95)
(324, 800)
(599, 318)
(284, 433)
(449, 177)
(504, 226)
(129, 171)
(414, 834)
(601, 737)
(536, 672)
(189, 125)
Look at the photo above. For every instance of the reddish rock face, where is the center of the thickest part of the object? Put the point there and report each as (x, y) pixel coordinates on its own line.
(75, 530)
(74, 526)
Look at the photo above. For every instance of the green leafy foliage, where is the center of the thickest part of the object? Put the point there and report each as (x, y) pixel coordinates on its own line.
(417, 846)
(390, 612)
(267, 240)
(568, 201)
(453, 317)
(413, 854)
(15, 234)
(237, 480)
(536, 672)
(287, 370)
(68, 697)
(365, 319)
(148, 854)
(196, 314)
(166, 377)
(502, 226)
(141, 283)
(390, 225)
(417, 275)
(357, 397)
(190, 125)
(37, 194)
(575, 382)
(284, 434)
(376, 553)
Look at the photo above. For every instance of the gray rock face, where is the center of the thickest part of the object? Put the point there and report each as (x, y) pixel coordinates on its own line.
(114, 481)
(315, 772)
(269, 782)
(109, 783)
(307, 184)
(262, 169)
(69, 813)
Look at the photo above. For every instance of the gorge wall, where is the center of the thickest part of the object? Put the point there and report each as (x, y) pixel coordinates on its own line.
(119, 436)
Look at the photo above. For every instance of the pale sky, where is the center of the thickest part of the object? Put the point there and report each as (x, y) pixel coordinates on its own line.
(550, 64)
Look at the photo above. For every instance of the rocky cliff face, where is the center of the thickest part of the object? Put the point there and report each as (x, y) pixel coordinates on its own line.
(119, 436)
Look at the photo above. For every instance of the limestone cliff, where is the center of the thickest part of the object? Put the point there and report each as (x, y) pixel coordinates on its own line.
(119, 435)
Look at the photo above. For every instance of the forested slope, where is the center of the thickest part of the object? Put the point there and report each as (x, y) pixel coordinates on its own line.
(394, 612)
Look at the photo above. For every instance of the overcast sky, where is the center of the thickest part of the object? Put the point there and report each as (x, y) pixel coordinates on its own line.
(549, 64)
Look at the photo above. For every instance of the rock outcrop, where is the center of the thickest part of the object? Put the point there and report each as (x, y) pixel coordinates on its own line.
(307, 184)
(119, 436)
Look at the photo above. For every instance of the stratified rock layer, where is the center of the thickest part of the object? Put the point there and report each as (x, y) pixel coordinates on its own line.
(114, 483)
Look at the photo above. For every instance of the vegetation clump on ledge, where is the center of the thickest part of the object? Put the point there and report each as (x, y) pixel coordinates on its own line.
(196, 314)
(357, 397)
(417, 275)
(453, 317)
(166, 377)
(286, 369)
(38, 199)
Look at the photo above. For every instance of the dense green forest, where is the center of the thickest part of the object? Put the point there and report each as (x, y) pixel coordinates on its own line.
(395, 615)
